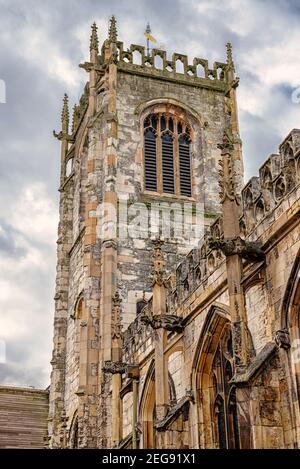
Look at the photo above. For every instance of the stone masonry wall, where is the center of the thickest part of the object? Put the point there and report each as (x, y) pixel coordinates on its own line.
(133, 94)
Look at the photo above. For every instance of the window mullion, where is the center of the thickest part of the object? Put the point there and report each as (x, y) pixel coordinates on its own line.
(224, 395)
(176, 160)
(159, 158)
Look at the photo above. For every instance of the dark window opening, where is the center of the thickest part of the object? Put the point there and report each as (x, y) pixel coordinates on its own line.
(150, 161)
(168, 164)
(167, 155)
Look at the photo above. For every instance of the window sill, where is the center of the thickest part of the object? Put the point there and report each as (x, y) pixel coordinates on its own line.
(163, 195)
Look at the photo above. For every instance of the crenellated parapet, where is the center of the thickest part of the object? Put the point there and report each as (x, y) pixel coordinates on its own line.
(277, 177)
(136, 60)
(156, 64)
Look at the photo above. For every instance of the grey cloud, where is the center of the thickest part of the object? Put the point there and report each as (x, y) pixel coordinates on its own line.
(8, 244)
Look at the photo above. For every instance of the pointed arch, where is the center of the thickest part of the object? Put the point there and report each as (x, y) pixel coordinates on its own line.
(217, 312)
(147, 408)
(73, 432)
(291, 296)
(290, 324)
(212, 370)
(143, 107)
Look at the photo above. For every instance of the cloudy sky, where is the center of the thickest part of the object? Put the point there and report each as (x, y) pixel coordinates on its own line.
(41, 44)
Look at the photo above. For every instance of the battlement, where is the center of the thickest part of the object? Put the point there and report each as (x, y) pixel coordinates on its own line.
(277, 177)
(135, 60)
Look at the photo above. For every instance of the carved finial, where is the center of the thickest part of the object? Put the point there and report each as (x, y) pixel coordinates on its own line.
(226, 182)
(113, 34)
(230, 62)
(94, 42)
(65, 111)
(75, 117)
(116, 329)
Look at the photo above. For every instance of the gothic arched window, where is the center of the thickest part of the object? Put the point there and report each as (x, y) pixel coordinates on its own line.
(167, 155)
(223, 394)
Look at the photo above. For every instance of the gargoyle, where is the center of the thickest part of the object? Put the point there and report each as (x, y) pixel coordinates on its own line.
(282, 339)
(170, 322)
(114, 367)
(246, 249)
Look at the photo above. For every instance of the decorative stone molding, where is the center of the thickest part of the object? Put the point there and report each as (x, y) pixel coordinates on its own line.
(170, 322)
(282, 339)
(158, 263)
(109, 243)
(116, 326)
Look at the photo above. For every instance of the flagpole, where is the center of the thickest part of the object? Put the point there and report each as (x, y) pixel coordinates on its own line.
(149, 38)
(148, 31)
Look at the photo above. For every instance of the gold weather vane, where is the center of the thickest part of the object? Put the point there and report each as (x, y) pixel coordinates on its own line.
(149, 37)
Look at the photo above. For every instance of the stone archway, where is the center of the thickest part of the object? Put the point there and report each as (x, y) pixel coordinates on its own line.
(212, 372)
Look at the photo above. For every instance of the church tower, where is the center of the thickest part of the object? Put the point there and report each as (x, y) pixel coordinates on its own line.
(139, 162)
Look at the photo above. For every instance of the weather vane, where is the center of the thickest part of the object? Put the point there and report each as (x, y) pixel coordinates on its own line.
(149, 37)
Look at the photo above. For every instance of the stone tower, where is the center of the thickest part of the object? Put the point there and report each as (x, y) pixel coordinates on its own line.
(142, 147)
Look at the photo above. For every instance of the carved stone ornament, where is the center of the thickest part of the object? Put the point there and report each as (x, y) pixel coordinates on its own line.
(63, 136)
(170, 322)
(282, 339)
(116, 325)
(228, 176)
(246, 249)
(114, 367)
(158, 271)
